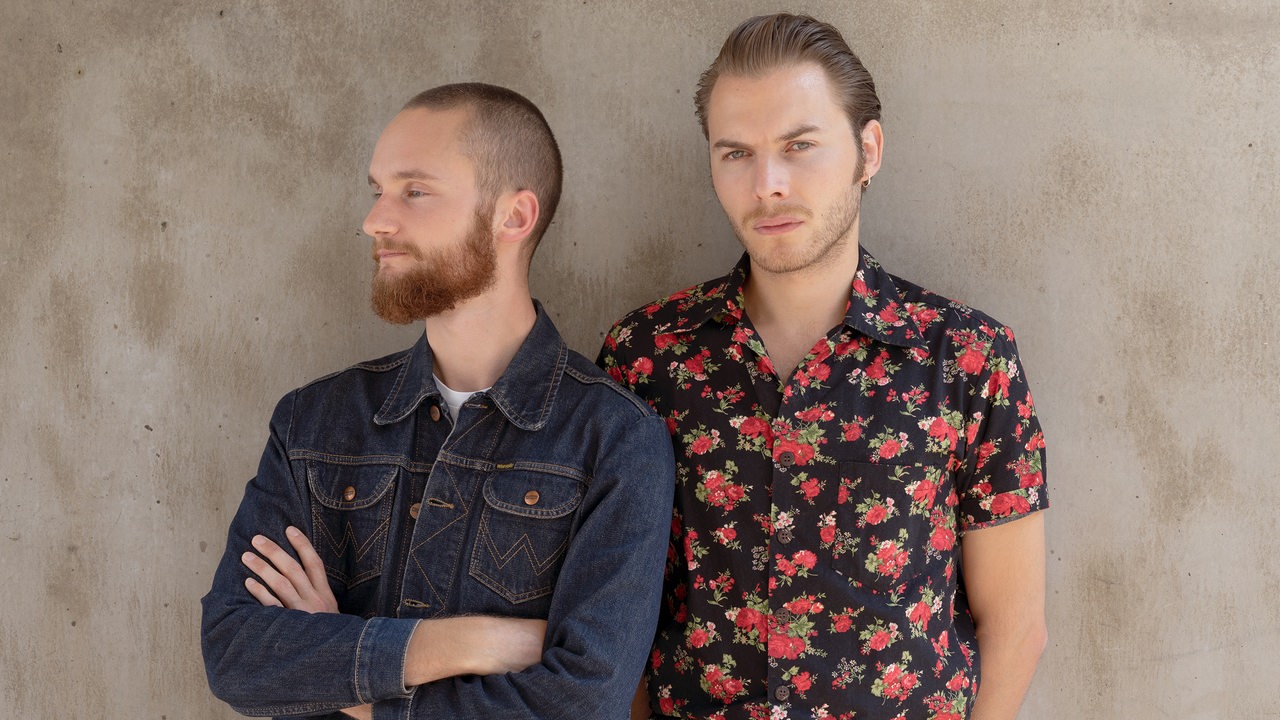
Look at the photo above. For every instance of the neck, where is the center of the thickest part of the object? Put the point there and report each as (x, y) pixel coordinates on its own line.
(473, 344)
(816, 297)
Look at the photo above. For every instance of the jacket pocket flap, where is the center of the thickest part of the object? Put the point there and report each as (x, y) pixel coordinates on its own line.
(532, 494)
(349, 487)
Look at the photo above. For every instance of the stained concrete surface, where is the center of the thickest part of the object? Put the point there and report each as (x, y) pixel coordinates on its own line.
(180, 203)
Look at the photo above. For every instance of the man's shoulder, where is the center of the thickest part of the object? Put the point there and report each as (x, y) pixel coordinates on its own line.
(362, 374)
(938, 313)
(605, 397)
(682, 309)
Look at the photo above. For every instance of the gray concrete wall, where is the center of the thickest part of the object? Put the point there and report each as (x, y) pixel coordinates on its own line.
(180, 203)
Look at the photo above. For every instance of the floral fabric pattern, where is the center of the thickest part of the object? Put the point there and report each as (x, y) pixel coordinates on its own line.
(813, 570)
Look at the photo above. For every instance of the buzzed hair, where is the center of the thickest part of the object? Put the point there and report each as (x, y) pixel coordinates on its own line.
(509, 141)
(767, 42)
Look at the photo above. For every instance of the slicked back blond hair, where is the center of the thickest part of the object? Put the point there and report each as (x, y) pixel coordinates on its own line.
(768, 42)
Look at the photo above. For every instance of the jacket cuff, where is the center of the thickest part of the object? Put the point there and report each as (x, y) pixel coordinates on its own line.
(380, 657)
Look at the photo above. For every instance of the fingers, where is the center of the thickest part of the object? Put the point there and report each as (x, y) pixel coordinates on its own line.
(261, 594)
(284, 581)
(313, 567)
(280, 587)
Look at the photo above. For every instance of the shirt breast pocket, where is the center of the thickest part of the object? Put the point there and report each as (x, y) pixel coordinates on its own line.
(888, 532)
(350, 517)
(526, 521)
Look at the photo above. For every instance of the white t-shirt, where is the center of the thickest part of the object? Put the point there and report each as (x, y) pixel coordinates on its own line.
(453, 398)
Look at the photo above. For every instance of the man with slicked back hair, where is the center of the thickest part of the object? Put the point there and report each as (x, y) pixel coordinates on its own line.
(859, 467)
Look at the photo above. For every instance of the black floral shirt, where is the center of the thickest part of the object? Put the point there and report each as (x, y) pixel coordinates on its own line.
(814, 563)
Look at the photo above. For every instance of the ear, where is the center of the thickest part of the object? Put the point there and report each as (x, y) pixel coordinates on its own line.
(515, 215)
(872, 138)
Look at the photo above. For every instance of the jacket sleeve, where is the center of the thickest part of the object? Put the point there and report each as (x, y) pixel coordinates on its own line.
(605, 605)
(275, 661)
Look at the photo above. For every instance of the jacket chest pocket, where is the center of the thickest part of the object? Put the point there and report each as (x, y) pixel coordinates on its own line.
(350, 517)
(894, 527)
(526, 520)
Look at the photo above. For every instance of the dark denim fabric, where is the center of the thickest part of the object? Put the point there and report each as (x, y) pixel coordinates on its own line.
(551, 500)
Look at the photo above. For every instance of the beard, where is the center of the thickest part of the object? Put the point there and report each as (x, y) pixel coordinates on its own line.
(438, 280)
(827, 241)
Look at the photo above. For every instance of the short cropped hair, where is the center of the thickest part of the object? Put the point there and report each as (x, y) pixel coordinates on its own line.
(509, 141)
(768, 42)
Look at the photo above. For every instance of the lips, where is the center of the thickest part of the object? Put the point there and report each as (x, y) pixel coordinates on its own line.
(777, 225)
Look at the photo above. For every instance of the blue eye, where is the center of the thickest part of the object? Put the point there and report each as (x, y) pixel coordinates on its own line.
(801, 145)
(735, 154)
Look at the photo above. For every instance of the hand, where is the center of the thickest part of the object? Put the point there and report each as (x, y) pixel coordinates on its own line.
(287, 583)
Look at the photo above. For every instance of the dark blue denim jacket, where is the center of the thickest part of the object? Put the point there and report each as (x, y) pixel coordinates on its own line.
(552, 499)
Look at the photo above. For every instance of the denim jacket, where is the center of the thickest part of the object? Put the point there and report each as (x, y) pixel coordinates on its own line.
(551, 500)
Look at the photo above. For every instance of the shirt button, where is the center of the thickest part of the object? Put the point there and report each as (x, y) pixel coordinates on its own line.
(785, 536)
(349, 494)
(786, 458)
(435, 413)
(414, 510)
(783, 616)
(781, 693)
(531, 497)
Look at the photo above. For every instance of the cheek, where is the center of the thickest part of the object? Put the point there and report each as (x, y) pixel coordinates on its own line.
(729, 189)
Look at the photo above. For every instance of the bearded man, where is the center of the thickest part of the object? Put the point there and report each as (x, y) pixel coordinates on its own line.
(474, 527)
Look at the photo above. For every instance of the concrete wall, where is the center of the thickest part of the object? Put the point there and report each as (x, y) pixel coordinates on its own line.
(181, 194)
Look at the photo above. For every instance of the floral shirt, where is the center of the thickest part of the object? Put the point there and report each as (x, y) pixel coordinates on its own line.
(813, 570)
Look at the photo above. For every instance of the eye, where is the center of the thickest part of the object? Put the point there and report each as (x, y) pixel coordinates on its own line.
(800, 145)
(735, 155)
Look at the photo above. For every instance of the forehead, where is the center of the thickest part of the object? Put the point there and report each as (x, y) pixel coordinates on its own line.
(422, 140)
(776, 102)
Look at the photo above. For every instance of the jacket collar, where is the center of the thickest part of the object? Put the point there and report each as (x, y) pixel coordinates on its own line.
(876, 307)
(524, 393)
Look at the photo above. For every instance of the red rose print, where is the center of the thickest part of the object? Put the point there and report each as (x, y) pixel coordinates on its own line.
(876, 515)
(805, 559)
(942, 539)
(802, 682)
(880, 640)
(970, 361)
(1009, 504)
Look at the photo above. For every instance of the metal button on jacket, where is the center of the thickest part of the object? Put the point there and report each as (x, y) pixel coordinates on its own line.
(532, 497)
(349, 494)
(435, 413)
(414, 510)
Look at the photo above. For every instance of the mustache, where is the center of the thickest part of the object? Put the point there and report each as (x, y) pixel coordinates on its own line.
(393, 246)
(768, 211)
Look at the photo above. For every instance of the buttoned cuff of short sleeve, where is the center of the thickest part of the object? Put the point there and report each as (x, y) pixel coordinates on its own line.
(380, 658)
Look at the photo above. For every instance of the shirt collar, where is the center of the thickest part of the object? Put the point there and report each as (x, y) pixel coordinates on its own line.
(524, 393)
(876, 307)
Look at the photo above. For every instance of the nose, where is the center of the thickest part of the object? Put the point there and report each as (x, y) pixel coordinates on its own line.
(772, 180)
(380, 220)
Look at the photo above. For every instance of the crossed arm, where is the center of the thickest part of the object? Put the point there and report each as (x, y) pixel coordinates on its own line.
(479, 645)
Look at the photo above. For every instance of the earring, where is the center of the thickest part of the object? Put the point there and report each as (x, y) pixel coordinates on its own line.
(866, 183)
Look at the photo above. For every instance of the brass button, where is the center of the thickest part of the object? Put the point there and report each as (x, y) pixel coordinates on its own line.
(531, 497)
(785, 536)
(414, 509)
(349, 494)
(782, 692)
(786, 458)
(435, 413)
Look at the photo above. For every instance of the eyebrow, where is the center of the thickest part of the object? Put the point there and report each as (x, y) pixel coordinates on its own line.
(731, 144)
(408, 175)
